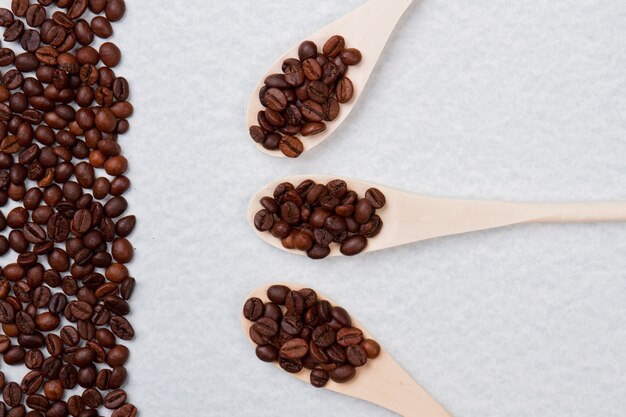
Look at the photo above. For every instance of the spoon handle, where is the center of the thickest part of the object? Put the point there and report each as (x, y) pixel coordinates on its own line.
(578, 212)
(370, 26)
(428, 217)
(390, 387)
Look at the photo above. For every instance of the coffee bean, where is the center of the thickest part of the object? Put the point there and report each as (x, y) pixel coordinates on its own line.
(294, 349)
(253, 309)
(266, 327)
(292, 324)
(343, 373)
(292, 366)
(344, 90)
(312, 69)
(306, 50)
(351, 56)
(275, 99)
(353, 245)
(371, 348)
(319, 378)
(291, 146)
(349, 336)
(267, 353)
(324, 336)
(376, 198)
(276, 294)
(312, 111)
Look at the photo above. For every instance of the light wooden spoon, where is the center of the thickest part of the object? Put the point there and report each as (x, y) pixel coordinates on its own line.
(409, 217)
(382, 381)
(367, 28)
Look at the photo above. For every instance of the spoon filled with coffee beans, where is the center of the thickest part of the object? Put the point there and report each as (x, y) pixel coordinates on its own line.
(310, 90)
(321, 216)
(316, 341)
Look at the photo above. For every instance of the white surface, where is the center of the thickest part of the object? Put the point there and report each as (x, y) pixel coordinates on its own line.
(520, 100)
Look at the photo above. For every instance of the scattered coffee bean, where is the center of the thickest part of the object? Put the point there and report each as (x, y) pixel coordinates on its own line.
(311, 217)
(327, 345)
(63, 302)
(304, 97)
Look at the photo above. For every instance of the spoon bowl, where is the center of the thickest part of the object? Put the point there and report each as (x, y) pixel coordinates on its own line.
(409, 217)
(382, 381)
(367, 28)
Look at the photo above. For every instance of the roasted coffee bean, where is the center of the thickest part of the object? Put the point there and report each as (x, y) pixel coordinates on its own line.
(263, 220)
(351, 56)
(324, 336)
(353, 245)
(334, 46)
(319, 378)
(294, 349)
(307, 50)
(266, 327)
(276, 293)
(291, 146)
(344, 90)
(267, 353)
(376, 198)
(275, 99)
(253, 309)
(292, 366)
(371, 348)
(343, 373)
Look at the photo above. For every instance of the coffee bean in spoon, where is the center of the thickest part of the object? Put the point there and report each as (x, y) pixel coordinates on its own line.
(305, 96)
(312, 217)
(330, 353)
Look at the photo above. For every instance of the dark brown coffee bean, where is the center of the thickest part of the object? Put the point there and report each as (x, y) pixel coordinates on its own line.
(312, 111)
(344, 90)
(276, 293)
(376, 198)
(267, 353)
(292, 366)
(371, 348)
(115, 10)
(275, 99)
(6, 17)
(292, 324)
(253, 309)
(319, 378)
(343, 373)
(294, 349)
(351, 56)
(263, 220)
(323, 336)
(35, 15)
(306, 50)
(291, 147)
(12, 394)
(121, 328)
(266, 327)
(312, 69)
(334, 46)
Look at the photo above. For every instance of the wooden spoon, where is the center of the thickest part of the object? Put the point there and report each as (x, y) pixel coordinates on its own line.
(409, 217)
(367, 28)
(382, 381)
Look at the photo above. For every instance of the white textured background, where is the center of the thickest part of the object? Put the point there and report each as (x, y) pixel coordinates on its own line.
(519, 99)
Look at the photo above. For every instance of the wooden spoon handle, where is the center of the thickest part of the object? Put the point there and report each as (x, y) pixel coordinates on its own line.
(385, 383)
(427, 217)
(368, 28)
(577, 212)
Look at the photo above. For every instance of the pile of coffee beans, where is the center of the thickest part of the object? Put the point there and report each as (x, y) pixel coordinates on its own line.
(308, 93)
(300, 331)
(64, 298)
(310, 217)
